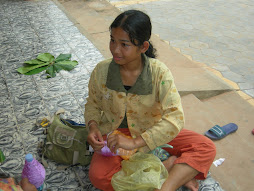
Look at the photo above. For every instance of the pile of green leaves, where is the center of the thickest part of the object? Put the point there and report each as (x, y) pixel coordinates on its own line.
(48, 62)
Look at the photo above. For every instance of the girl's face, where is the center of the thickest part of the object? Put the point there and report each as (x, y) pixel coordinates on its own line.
(122, 49)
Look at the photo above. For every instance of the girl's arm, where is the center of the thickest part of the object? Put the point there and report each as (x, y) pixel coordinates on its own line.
(172, 120)
(116, 141)
(92, 107)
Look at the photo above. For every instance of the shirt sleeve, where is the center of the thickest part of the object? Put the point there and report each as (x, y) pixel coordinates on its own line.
(172, 120)
(92, 107)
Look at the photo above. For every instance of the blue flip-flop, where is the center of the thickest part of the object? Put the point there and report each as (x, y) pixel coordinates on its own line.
(217, 132)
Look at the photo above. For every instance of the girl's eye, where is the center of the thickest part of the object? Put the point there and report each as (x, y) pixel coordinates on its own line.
(125, 45)
(112, 40)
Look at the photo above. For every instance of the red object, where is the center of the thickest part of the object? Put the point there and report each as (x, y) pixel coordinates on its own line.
(192, 148)
(253, 131)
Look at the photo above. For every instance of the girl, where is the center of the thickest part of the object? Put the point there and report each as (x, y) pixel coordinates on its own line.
(135, 93)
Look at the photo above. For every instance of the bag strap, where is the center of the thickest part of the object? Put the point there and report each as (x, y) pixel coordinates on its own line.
(43, 160)
(79, 179)
(75, 157)
(60, 111)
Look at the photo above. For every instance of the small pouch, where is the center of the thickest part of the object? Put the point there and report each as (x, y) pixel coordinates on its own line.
(64, 136)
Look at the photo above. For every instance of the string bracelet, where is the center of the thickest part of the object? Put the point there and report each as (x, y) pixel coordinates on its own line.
(92, 123)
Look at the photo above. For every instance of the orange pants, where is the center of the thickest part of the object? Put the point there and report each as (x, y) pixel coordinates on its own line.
(191, 148)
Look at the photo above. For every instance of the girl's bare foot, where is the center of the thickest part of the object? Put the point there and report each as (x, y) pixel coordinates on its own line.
(192, 185)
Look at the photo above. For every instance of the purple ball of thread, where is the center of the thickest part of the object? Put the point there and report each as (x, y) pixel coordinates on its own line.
(105, 151)
(34, 171)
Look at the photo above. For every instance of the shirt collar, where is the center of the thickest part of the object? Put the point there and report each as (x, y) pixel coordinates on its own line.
(143, 85)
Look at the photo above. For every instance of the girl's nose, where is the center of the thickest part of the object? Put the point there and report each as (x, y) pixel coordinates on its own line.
(116, 48)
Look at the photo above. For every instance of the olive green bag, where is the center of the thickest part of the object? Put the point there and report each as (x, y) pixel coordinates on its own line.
(66, 143)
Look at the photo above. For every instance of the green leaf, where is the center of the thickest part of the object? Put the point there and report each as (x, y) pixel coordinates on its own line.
(51, 71)
(64, 67)
(46, 57)
(53, 75)
(26, 69)
(63, 57)
(73, 63)
(2, 157)
(57, 68)
(67, 65)
(33, 62)
(36, 71)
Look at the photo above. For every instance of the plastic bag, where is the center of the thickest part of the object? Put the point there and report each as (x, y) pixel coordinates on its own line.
(141, 172)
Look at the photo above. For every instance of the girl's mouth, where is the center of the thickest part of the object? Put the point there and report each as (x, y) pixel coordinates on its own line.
(116, 58)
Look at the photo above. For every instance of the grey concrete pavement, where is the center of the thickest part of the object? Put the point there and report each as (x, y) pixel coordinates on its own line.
(218, 33)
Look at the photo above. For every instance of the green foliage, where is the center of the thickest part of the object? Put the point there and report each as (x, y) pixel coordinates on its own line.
(48, 62)
(2, 157)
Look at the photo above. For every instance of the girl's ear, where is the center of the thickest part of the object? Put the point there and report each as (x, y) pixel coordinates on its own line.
(145, 47)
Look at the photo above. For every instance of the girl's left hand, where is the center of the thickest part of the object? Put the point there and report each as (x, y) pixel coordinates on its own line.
(116, 141)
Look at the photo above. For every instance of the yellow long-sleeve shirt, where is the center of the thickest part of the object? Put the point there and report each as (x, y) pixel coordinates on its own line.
(152, 106)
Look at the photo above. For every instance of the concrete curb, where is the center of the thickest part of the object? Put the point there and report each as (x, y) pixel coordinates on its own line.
(93, 18)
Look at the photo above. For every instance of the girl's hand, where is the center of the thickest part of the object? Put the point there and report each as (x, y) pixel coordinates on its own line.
(95, 138)
(26, 185)
(116, 141)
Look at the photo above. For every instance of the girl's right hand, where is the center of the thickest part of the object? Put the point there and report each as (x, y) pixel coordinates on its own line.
(26, 185)
(95, 138)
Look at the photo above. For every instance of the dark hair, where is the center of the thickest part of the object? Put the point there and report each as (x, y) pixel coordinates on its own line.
(138, 25)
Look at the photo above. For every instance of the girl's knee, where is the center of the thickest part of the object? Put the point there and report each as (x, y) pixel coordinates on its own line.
(100, 180)
(211, 146)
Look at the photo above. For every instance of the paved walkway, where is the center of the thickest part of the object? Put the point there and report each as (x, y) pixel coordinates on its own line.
(218, 33)
(28, 28)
